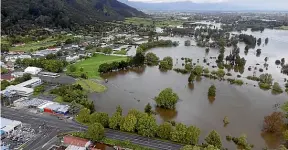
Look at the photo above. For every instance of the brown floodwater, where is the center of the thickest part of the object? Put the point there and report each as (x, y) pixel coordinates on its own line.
(245, 105)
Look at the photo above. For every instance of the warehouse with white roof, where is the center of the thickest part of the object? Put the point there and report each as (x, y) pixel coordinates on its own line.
(8, 126)
(32, 70)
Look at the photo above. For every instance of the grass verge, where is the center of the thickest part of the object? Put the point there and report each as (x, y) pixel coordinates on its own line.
(91, 86)
(59, 99)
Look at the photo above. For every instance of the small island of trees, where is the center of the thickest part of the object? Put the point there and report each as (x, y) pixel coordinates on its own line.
(167, 99)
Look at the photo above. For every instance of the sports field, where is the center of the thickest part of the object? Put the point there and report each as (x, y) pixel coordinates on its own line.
(92, 64)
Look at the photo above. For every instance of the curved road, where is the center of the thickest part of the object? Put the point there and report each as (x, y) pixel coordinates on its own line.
(55, 126)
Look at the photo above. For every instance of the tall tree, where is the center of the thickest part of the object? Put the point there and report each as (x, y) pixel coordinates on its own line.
(100, 117)
(214, 139)
(128, 123)
(164, 130)
(115, 121)
(191, 77)
(148, 109)
(147, 125)
(198, 70)
(212, 91)
(83, 115)
(119, 109)
(95, 132)
(192, 135)
(179, 134)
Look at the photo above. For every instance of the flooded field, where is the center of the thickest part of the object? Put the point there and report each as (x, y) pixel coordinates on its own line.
(245, 105)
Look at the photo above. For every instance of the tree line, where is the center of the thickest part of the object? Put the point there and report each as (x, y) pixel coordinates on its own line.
(160, 43)
(137, 60)
(74, 94)
(143, 124)
(52, 65)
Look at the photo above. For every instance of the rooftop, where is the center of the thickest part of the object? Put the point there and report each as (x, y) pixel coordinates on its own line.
(76, 141)
(31, 81)
(7, 124)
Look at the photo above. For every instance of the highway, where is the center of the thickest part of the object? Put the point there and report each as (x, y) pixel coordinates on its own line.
(55, 126)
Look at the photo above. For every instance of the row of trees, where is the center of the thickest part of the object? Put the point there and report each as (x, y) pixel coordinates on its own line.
(52, 65)
(137, 60)
(160, 43)
(144, 124)
(74, 93)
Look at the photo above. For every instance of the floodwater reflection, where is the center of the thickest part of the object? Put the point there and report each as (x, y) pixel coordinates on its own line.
(166, 114)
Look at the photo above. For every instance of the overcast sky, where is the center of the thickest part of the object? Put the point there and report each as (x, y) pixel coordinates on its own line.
(265, 4)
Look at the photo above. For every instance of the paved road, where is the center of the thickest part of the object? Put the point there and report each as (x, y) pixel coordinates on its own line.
(55, 126)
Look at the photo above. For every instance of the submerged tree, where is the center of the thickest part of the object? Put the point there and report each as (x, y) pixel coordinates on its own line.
(274, 122)
(191, 77)
(167, 99)
(212, 91)
(148, 109)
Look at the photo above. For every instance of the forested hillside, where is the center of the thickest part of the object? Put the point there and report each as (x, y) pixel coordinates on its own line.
(19, 15)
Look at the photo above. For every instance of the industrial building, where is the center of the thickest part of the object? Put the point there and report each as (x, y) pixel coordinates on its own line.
(24, 88)
(49, 74)
(8, 126)
(42, 105)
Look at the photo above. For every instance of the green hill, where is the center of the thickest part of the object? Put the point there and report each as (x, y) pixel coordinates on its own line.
(21, 14)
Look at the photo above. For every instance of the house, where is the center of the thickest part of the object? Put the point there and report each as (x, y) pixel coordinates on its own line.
(32, 70)
(17, 74)
(14, 57)
(7, 77)
(9, 65)
(72, 58)
(77, 143)
(108, 38)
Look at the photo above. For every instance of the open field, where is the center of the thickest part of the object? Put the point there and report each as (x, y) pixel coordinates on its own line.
(91, 86)
(92, 64)
(35, 45)
(149, 21)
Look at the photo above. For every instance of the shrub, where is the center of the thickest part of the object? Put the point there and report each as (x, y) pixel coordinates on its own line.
(228, 138)
(253, 78)
(179, 70)
(212, 91)
(264, 86)
(228, 74)
(276, 88)
(225, 120)
(238, 82)
(206, 70)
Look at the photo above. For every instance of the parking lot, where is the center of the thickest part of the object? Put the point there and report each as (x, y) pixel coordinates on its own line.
(20, 136)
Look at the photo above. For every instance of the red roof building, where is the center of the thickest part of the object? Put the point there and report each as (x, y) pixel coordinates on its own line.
(7, 77)
(71, 140)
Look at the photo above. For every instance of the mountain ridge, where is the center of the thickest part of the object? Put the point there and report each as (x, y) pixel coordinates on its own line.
(62, 13)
